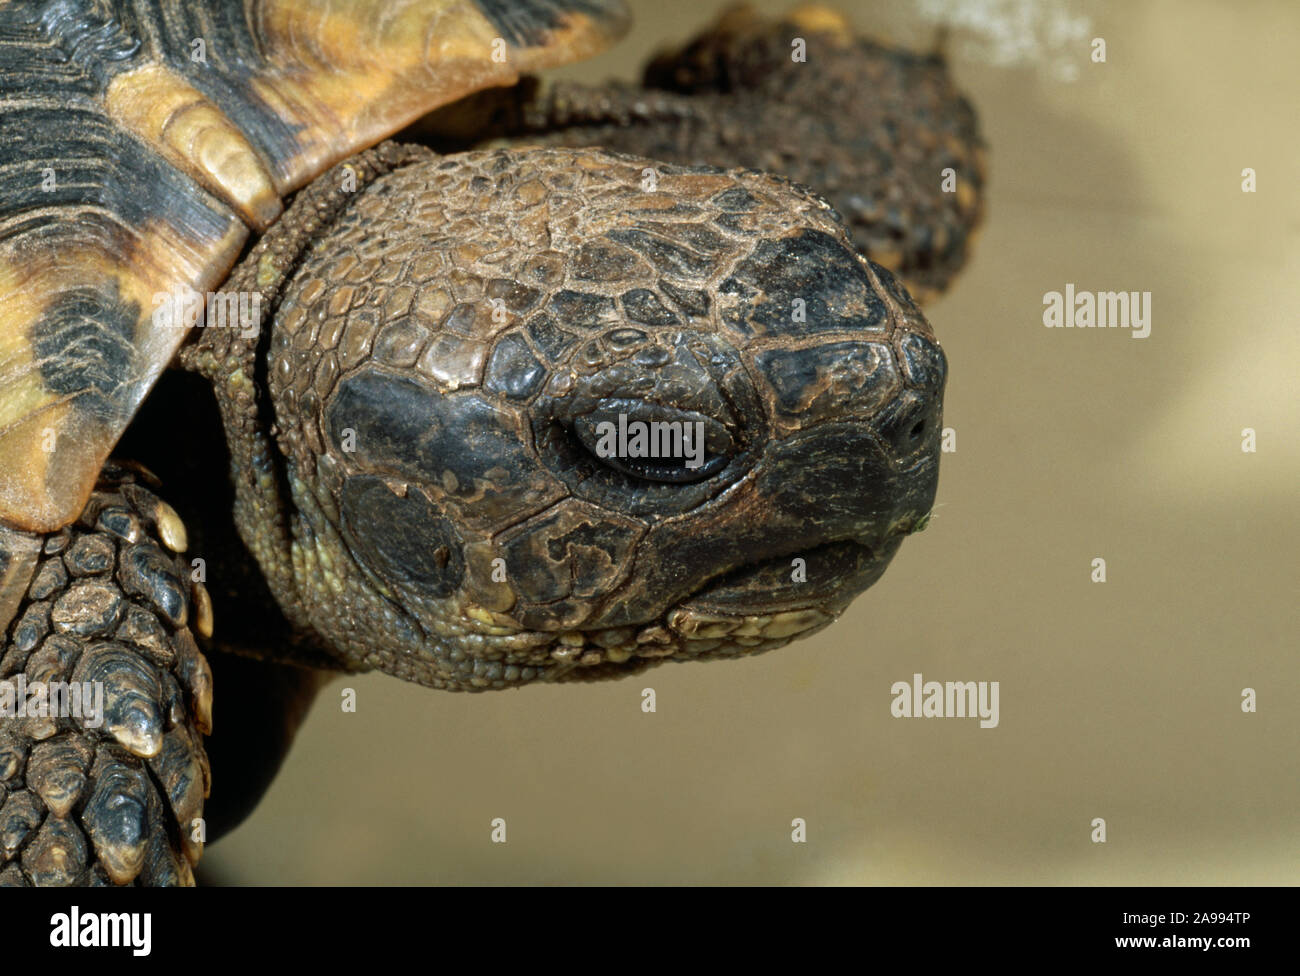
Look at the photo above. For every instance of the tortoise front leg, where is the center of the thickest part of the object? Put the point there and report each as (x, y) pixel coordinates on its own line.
(104, 782)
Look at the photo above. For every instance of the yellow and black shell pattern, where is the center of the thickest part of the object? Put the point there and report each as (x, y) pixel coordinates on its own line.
(143, 141)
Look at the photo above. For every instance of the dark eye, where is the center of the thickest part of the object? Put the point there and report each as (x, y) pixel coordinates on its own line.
(654, 442)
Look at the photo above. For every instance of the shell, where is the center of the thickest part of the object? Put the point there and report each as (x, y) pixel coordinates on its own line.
(140, 145)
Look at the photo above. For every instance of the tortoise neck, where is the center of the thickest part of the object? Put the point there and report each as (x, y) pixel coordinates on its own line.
(235, 362)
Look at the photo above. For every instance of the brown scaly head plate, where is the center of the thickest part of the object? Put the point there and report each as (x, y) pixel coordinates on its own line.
(140, 142)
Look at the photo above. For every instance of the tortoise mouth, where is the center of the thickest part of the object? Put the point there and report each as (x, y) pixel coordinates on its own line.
(804, 578)
(745, 611)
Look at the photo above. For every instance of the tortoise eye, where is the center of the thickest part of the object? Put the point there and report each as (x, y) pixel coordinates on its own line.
(654, 442)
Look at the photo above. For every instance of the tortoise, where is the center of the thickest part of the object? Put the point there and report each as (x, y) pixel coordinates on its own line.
(582, 381)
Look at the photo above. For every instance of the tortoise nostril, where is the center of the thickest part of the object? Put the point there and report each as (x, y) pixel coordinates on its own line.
(908, 422)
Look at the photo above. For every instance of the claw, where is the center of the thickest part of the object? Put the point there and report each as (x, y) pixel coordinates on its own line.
(202, 609)
(133, 712)
(57, 772)
(116, 818)
(57, 857)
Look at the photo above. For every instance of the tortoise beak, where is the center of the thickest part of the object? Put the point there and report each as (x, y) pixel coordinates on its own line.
(827, 577)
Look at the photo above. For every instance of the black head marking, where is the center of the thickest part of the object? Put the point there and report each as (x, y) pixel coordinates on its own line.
(402, 538)
(809, 265)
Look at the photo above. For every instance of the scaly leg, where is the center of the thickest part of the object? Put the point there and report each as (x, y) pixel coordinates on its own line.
(106, 787)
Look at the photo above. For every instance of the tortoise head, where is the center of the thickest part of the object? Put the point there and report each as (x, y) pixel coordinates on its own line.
(563, 414)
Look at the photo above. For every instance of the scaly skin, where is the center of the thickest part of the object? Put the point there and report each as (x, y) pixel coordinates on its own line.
(116, 799)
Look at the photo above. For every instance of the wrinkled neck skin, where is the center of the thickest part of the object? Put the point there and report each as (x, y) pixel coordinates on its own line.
(265, 511)
(334, 605)
(310, 572)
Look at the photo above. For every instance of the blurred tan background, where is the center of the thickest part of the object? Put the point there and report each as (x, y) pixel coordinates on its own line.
(1118, 700)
